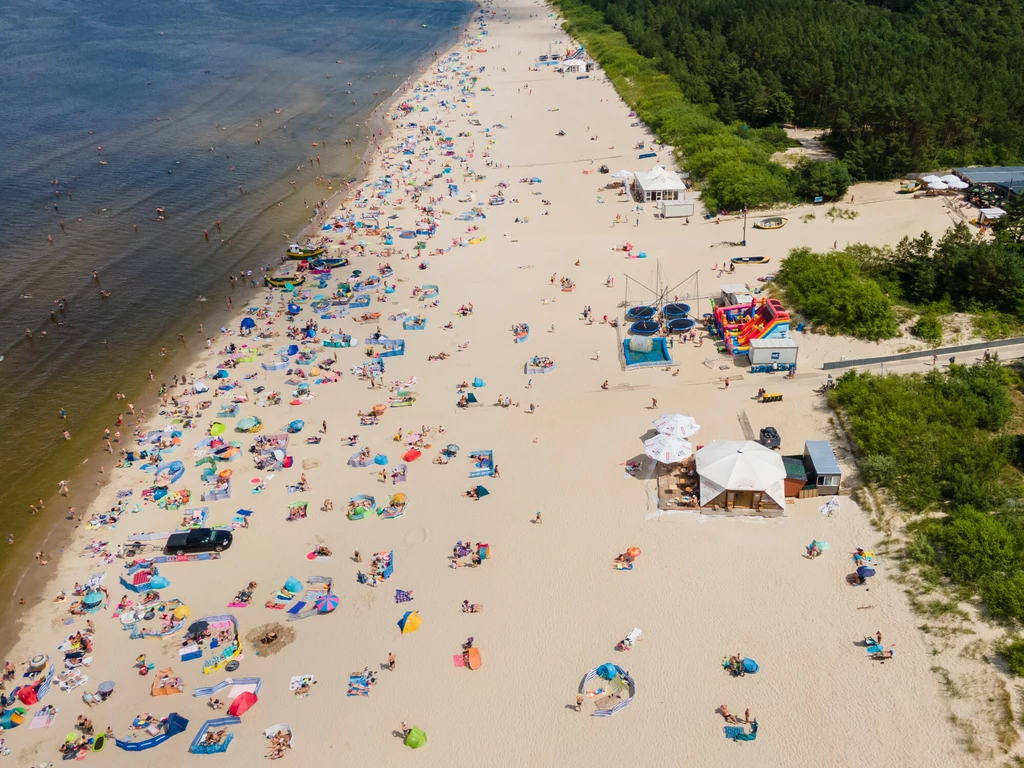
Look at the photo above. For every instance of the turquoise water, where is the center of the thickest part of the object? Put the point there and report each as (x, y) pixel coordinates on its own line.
(157, 85)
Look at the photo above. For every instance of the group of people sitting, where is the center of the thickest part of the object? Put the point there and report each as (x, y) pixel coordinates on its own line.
(279, 742)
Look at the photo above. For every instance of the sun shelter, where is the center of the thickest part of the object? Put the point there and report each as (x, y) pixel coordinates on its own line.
(219, 737)
(415, 738)
(657, 184)
(172, 726)
(741, 474)
(614, 691)
(410, 622)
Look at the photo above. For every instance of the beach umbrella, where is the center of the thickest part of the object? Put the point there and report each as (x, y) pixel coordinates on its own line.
(623, 174)
(296, 426)
(380, 460)
(415, 738)
(930, 178)
(181, 612)
(949, 177)
(481, 492)
(410, 622)
(248, 322)
(217, 428)
(327, 603)
(957, 184)
(294, 309)
(107, 687)
(247, 423)
(93, 598)
(668, 450)
(677, 425)
(865, 571)
(938, 185)
(452, 448)
(221, 374)
(197, 627)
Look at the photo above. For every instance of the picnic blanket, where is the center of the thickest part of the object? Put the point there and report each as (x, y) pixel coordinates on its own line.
(401, 596)
(358, 686)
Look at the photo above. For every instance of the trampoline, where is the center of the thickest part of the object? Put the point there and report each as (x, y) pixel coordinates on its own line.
(645, 327)
(680, 325)
(674, 311)
(641, 313)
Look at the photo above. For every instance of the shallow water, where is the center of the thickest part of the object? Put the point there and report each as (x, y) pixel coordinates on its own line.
(156, 86)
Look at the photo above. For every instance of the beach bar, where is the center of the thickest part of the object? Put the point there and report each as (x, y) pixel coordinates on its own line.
(741, 477)
(657, 184)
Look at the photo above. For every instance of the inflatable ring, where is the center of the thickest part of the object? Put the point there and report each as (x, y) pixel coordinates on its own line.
(231, 666)
(143, 670)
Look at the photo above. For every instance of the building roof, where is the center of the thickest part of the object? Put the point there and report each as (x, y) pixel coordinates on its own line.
(659, 179)
(1009, 176)
(774, 344)
(822, 458)
(740, 465)
(794, 468)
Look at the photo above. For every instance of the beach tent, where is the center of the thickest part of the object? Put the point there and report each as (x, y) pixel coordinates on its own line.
(741, 473)
(415, 738)
(242, 703)
(658, 184)
(410, 622)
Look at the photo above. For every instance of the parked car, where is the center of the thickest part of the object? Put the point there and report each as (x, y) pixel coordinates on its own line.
(198, 540)
(770, 437)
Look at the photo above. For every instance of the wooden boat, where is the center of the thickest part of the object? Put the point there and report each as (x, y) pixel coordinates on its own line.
(909, 187)
(296, 252)
(283, 280)
(750, 259)
(774, 222)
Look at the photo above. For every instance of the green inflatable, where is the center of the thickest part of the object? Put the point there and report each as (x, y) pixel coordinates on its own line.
(415, 738)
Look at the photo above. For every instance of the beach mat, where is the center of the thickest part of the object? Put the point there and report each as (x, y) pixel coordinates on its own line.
(297, 607)
(458, 660)
(42, 720)
(733, 731)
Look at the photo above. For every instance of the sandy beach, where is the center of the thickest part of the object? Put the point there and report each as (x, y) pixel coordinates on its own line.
(554, 607)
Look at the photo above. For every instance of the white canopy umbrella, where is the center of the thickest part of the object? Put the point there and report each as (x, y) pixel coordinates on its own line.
(958, 184)
(677, 425)
(740, 465)
(949, 177)
(930, 178)
(938, 185)
(668, 450)
(623, 175)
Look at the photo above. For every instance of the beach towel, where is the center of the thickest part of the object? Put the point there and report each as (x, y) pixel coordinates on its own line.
(735, 731)
(458, 660)
(875, 648)
(401, 596)
(297, 607)
(238, 605)
(42, 720)
(358, 686)
(124, 494)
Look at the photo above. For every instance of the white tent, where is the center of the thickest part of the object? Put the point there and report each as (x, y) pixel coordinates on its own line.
(930, 178)
(658, 184)
(731, 468)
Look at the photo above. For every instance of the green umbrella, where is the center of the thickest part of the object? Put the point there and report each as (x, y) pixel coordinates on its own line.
(415, 738)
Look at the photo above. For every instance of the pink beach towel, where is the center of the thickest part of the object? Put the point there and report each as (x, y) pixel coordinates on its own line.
(458, 660)
(238, 605)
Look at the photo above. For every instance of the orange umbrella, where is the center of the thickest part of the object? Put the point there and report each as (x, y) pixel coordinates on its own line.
(633, 551)
(379, 409)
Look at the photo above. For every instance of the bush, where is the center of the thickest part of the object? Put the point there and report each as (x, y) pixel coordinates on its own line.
(829, 290)
(928, 327)
(1013, 653)
(826, 179)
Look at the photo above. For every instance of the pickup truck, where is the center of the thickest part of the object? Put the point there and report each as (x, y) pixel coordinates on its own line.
(186, 542)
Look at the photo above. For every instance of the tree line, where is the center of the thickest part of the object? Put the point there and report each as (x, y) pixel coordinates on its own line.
(898, 85)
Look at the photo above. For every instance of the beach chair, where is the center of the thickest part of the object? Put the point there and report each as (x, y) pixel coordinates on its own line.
(71, 679)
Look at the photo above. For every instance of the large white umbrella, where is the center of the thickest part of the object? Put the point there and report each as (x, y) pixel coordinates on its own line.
(623, 175)
(930, 178)
(668, 450)
(958, 184)
(949, 177)
(677, 425)
(938, 185)
(740, 465)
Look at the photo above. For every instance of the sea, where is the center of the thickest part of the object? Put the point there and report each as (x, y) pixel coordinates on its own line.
(211, 110)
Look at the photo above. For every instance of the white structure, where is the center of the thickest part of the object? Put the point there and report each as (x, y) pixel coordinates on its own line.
(657, 184)
(675, 209)
(773, 351)
(741, 473)
(574, 65)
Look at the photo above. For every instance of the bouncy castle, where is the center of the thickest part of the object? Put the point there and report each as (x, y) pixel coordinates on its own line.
(760, 319)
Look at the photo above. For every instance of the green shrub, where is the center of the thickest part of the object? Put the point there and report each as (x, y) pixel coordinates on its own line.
(828, 289)
(1013, 653)
(928, 327)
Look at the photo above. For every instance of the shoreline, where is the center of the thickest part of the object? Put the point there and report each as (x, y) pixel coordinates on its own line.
(33, 582)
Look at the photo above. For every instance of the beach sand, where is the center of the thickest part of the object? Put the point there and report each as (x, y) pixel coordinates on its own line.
(704, 587)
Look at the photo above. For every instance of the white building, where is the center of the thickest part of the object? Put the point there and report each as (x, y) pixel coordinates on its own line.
(657, 184)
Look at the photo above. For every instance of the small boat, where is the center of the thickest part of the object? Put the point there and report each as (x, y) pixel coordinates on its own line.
(909, 187)
(296, 252)
(282, 280)
(750, 259)
(775, 222)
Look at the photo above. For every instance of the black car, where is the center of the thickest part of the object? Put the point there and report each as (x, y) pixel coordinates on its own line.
(770, 437)
(199, 540)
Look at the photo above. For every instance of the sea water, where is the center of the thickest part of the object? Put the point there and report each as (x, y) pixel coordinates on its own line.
(114, 108)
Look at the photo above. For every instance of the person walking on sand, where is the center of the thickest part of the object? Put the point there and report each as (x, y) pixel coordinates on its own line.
(654, 403)
(391, 661)
(537, 520)
(726, 382)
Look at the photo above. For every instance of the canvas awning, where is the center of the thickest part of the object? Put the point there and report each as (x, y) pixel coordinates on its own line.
(659, 180)
(740, 465)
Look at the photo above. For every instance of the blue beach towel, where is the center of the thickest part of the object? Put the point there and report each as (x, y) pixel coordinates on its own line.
(734, 731)
(297, 607)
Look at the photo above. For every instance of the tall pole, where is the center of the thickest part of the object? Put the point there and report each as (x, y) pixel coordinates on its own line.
(744, 226)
